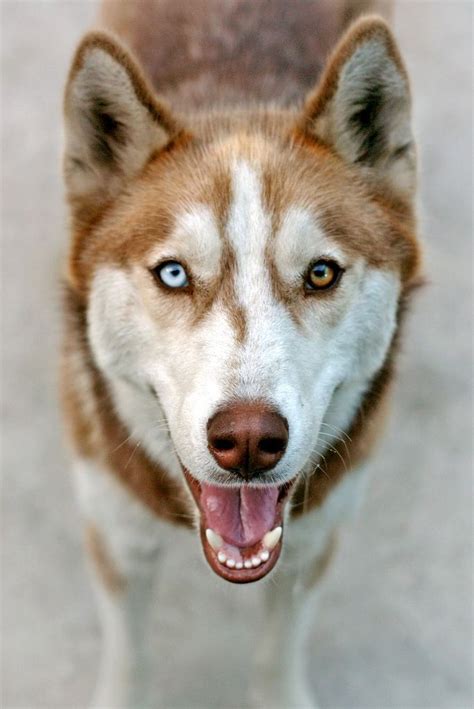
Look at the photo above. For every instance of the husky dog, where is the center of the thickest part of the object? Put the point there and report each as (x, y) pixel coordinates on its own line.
(242, 251)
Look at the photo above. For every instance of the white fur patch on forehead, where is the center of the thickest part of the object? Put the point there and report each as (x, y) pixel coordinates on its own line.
(300, 240)
(194, 239)
(248, 226)
(248, 229)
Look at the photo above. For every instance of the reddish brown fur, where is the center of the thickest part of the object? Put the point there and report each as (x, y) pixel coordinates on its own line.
(369, 28)
(353, 448)
(304, 174)
(100, 435)
(253, 50)
(105, 566)
(143, 91)
(294, 167)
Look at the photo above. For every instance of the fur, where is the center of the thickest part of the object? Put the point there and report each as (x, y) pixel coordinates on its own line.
(246, 197)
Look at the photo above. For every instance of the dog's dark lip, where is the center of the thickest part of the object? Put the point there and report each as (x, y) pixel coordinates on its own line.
(243, 575)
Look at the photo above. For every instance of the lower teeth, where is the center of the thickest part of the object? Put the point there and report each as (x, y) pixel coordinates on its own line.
(271, 538)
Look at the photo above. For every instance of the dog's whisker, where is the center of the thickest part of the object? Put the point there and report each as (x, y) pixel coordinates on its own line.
(340, 456)
(337, 429)
(163, 425)
(132, 454)
(122, 443)
(335, 440)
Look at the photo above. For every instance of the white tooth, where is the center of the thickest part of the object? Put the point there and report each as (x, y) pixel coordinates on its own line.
(248, 564)
(264, 555)
(256, 561)
(222, 557)
(214, 539)
(271, 539)
(230, 563)
(239, 565)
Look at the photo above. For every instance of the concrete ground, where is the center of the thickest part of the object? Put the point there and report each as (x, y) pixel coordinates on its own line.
(395, 624)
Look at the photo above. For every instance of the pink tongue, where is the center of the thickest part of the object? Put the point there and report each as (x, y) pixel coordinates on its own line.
(240, 515)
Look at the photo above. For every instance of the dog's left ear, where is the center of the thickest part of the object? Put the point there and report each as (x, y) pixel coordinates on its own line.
(361, 108)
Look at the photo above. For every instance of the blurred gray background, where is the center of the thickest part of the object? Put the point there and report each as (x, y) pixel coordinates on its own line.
(395, 622)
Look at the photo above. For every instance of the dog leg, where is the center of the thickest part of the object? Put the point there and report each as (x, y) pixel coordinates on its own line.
(290, 599)
(122, 540)
(125, 670)
(292, 595)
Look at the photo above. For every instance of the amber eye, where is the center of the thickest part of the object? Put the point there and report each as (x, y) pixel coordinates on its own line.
(323, 275)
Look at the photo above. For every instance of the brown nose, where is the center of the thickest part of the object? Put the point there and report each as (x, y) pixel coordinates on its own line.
(247, 439)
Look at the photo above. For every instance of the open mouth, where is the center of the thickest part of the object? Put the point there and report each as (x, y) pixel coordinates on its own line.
(241, 528)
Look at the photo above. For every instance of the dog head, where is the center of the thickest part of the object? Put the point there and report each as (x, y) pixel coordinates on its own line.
(242, 272)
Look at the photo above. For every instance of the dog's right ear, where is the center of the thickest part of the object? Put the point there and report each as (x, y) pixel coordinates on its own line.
(113, 124)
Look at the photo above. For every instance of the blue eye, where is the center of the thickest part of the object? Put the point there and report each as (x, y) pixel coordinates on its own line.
(172, 274)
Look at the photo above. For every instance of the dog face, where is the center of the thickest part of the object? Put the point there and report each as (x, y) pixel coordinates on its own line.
(242, 277)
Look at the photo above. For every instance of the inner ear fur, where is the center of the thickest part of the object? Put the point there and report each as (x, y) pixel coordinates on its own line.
(362, 107)
(113, 123)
